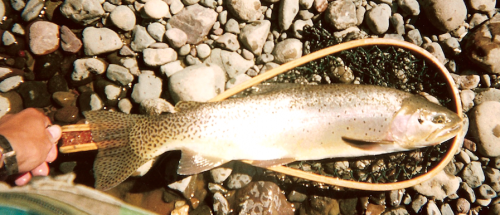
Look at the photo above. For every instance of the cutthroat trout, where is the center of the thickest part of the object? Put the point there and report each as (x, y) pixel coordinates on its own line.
(303, 122)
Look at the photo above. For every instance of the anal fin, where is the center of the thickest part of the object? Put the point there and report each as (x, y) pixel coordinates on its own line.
(269, 163)
(194, 163)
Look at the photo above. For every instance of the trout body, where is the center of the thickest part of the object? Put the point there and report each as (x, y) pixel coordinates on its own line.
(297, 123)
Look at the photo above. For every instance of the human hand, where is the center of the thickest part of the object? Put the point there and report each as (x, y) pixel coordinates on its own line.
(34, 138)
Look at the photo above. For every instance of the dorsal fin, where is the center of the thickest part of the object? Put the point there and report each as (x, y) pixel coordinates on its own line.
(194, 163)
(187, 105)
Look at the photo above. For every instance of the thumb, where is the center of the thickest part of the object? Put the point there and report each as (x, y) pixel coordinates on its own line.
(55, 132)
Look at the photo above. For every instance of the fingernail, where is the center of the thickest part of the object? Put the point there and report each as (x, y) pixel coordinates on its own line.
(54, 131)
(23, 179)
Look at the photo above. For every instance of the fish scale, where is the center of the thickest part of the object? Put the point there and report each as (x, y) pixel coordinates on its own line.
(302, 122)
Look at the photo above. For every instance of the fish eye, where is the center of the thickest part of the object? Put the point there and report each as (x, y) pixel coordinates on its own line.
(439, 119)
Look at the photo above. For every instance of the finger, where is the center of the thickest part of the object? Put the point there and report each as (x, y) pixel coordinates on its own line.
(51, 157)
(23, 179)
(42, 170)
(55, 132)
(5, 117)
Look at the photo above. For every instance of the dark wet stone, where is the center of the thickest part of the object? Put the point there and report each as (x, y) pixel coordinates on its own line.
(15, 100)
(64, 99)
(378, 198)
(57, 83)
(192, 188)
(241, 175)
(47, 65)
(66, 167)
(89, 101)
(261, 196)
(202, 210)
(67, 114)
(375, 209)
(318, 205)
(296, 196)
(348, 206)
(34, 94)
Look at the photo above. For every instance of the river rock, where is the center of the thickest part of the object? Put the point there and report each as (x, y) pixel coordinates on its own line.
(203, 50)
(34, 94)
(64, 99)
(482, 47)
(231, 62)
(123, 18)
(176, 37)
(98, 41)
(482, 5)
(32, 9)
(157, 31)
(10, 83)
(485, 128)
(254, 35)
(8, 38)
(142, 39)
(341, 14)
(170, 68)
(439, 187)
(10, 102)
(486, 94)
(445, 15)
(264, 197)
(156, 9)
(119, 74)
(82, 11)
(69, 41)
(377, 18)
(148, 87)
(83, 67)
(68, 114)
(228, 41)
(466, 82)
(287, 50)
(246, 10)
(43, 37)
(196, 21)
(493, 178)
(473, 174)
(486, 192)
(436, 50)
(197, 83)
(287, 12)
(158, 57)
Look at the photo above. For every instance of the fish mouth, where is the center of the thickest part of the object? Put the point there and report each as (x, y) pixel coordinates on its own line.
(442, 135)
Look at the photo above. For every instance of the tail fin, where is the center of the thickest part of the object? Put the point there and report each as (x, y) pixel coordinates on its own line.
(115, 160)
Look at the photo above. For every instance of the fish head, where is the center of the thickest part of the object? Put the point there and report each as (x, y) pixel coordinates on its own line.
(420, 123)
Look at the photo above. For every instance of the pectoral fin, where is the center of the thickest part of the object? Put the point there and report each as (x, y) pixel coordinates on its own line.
(268, 163)
(194, 163)
(372, 145)
(187, 105)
